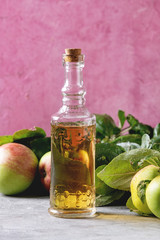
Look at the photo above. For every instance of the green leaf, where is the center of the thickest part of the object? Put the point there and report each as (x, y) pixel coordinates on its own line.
(105, 126)
(156, 131)
(142, 129)
(156, 146)
(130, 205)
(105, 152)
(5, 139)
(132, 120)
(40, 146)
(122, 201)
(155, 140)
(148, 160)
(141, 189)
(105, 194)
(135, 138)
(105, 140)
(119, 172)
(127, 146)
(139, 128)
(29, 133)
(101, 187)
(107, 199)
(146, 141)
(122, 118)
(132, 208)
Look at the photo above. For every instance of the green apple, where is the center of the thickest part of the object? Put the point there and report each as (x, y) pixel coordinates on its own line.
(139, 184)
(18, 166)
(153, 196)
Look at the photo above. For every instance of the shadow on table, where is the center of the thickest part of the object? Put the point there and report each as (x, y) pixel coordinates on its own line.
(124, 217)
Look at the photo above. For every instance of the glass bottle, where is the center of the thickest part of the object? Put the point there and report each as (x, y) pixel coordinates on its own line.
(72, 192)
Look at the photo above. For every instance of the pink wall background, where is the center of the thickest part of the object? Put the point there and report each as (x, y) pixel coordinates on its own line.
(121, 41)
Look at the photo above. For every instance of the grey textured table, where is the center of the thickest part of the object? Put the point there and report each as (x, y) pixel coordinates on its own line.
(28, 218)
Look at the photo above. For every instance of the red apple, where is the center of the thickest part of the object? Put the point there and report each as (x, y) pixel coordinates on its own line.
(18, 166)
(45, 170)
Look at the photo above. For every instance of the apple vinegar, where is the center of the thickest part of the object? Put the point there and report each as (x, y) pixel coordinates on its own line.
(73, 161)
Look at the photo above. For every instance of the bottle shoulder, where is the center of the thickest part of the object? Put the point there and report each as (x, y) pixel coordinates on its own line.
(77, 116)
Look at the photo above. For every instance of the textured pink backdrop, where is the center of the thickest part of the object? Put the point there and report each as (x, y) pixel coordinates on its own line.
(121, 41)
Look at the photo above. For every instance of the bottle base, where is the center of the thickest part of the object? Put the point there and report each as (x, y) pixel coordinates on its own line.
(88, 213)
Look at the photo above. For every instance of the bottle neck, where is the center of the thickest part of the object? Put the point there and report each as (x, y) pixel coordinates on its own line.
(73, 91)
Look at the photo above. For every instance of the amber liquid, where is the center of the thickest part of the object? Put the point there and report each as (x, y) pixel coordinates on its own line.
(73, 164)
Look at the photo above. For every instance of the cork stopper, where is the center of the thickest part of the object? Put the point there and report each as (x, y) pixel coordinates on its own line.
(73, 55)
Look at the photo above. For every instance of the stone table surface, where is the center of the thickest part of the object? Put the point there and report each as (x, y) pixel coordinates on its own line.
(28, 218)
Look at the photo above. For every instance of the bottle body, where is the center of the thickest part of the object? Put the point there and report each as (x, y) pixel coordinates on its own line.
(72, 192)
